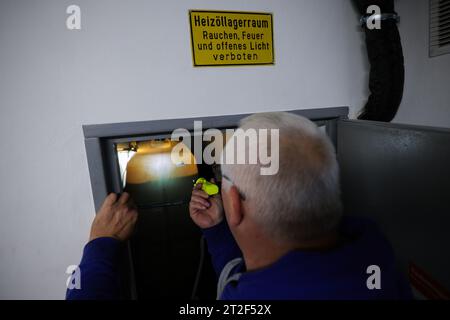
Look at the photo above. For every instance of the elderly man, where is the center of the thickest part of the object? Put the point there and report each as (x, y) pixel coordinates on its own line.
(282, 236)
(278, 236)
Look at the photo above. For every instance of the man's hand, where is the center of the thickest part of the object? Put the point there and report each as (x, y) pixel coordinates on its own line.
(115, 219)
(206, 211)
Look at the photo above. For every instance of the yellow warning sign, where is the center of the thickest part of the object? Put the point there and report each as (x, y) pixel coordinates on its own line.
(223, 38)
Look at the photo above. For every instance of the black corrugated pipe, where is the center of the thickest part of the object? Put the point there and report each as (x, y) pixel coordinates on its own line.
(387, 71)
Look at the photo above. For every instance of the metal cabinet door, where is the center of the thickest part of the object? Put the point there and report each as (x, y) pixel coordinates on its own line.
(399, 175)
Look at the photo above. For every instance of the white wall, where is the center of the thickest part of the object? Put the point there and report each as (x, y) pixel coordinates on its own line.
(132, 61)
(426, 99)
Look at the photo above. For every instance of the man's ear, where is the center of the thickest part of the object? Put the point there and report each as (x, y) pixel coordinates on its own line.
(235, 215)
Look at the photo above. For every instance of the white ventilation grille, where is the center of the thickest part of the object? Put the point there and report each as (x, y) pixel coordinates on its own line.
(439, 27)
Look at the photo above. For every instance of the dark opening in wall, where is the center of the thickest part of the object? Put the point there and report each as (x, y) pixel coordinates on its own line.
(167, 249)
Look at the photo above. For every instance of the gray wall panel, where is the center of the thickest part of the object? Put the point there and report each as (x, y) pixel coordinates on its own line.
(400, 176)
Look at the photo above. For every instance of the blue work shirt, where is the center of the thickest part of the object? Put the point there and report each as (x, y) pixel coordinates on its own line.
(337, 274)
(340, 273)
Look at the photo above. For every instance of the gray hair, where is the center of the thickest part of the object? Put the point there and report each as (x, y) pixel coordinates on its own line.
(302, 201)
